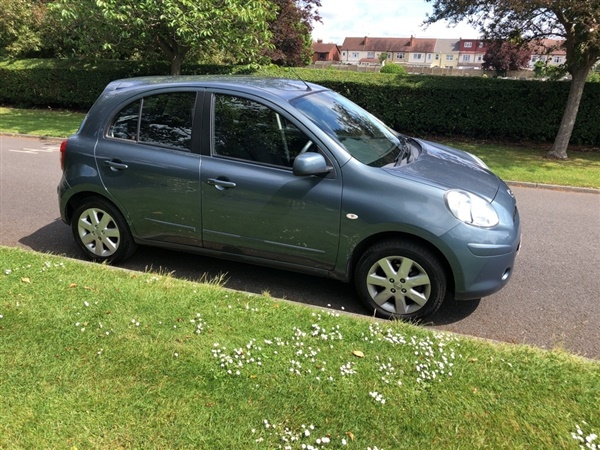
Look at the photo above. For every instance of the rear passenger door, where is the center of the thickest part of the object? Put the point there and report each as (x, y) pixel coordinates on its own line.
(149, 163)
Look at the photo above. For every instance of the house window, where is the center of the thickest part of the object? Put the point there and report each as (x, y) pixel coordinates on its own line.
(466, 58)
(480, 44)
(468, 44)
(399, 55)
(479, 58)
(437, 57)
(418, 56)
(343, 53)
(371, 55)
(355, 54)
(557, 59)
(449, 57)
(429, 57)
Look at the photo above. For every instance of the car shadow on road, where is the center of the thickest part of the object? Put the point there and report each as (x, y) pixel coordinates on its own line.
(452, 311)
(55, 238)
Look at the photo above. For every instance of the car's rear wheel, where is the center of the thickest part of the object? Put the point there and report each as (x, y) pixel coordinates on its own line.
(401, 279)
(101, 231)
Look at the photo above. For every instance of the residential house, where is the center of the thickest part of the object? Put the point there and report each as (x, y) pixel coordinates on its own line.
(471, 52)
(447, 53)
(417, 52)
(432, 53)
(325, 52)
(549, 51)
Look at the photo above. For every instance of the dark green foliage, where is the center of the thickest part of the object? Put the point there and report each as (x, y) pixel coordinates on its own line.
(483, 108)
(73, 84)
(63, 83)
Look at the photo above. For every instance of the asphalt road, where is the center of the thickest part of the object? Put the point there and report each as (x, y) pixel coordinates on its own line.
(552, 300)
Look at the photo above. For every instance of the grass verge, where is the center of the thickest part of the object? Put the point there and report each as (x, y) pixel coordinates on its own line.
(526, 162)
(39, 122)
(93, 357)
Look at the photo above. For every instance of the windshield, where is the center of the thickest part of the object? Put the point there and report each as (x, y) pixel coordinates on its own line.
(363, 136)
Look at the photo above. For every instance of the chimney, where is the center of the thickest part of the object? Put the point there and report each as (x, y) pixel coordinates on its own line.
(412, 40)
(319, 41)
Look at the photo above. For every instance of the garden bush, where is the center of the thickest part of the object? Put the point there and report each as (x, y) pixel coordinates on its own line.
(393, 68)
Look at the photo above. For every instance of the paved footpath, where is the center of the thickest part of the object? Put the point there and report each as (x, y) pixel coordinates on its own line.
(552, 300)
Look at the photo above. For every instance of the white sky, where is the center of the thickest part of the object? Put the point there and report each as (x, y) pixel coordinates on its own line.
(382, 18)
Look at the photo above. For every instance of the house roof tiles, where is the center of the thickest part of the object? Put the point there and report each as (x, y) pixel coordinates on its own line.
(549, 47)
(409, 45)
(321, 47)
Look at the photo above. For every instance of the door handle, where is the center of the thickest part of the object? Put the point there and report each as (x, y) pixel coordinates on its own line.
(115, 166)
(221, 184)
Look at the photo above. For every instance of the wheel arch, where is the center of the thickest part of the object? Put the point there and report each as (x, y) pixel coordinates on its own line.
(108, 239)
(77, 199)
(392, 235)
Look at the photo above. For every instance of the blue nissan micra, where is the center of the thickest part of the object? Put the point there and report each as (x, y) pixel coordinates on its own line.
(291, 175)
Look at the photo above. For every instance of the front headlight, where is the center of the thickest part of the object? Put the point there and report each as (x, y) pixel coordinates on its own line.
(471, 209)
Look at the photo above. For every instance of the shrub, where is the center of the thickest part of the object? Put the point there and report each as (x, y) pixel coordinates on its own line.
(393, 68)
(594, 77)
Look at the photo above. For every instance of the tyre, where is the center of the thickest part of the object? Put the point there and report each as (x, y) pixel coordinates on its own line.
(101, 231)
(401, 279)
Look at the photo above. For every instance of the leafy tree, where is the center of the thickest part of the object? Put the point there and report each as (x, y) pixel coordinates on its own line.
(575, 21)
(291, 30)
(234, 29)
(78, 29)
(503, 56)
(19, 24)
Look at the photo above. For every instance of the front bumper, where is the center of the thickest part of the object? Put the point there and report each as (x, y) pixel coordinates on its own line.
(483, 259)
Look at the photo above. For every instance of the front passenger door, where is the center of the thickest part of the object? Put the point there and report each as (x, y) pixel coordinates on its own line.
(252, 204)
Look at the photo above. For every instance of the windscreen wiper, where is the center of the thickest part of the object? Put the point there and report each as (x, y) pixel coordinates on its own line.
(404, 150)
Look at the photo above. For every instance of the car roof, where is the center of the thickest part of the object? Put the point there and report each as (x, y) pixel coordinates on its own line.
(281, 87)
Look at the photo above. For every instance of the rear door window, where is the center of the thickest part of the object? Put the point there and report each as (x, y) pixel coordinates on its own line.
(163, 119)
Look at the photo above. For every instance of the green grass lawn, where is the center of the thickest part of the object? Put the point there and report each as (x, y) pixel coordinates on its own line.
(93, 357)
(526, 163)
(39, 122)
(512, 162)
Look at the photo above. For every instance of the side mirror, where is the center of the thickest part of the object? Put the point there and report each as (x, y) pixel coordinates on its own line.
(307, 164)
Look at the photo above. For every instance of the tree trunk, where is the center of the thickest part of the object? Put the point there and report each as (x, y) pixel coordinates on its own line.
(561, 142)
(174, 52)
(176, 61)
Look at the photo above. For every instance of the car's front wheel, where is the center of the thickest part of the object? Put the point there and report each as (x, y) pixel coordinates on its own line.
(401, 279)
(101, 231)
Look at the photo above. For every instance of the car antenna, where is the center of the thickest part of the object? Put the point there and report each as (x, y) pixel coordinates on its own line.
(300, 78)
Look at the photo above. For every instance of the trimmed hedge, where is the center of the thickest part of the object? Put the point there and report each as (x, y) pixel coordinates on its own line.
(74, 84)
(58, 84)
(417, 104)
